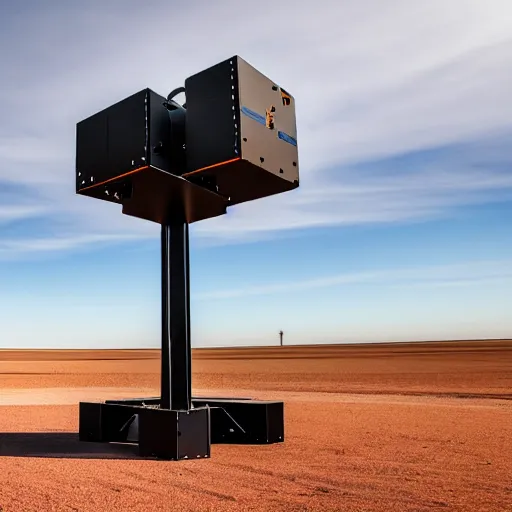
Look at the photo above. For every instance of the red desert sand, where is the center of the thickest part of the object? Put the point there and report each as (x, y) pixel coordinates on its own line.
(387, 427)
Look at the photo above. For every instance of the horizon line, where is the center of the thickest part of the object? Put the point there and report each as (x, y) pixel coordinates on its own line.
(277, 346)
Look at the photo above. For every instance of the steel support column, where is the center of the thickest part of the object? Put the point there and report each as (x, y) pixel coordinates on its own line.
(176, 387)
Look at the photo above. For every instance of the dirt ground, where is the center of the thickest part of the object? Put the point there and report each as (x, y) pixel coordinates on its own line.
(387, 427)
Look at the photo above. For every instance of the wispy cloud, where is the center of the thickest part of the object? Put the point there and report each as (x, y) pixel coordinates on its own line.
(14, 248)
(460, 274)
(9, 213)
(373, 80)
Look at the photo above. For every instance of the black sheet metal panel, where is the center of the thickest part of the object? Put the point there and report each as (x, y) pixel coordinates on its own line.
(158, 196)
(115, 141)
(212, 116)
(194, 438)
(174, 435)
(241, 131)
(245, 421)
(102, 422)
(89, 422)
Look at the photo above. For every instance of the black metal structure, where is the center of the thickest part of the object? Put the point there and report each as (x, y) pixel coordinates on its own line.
(234, 141)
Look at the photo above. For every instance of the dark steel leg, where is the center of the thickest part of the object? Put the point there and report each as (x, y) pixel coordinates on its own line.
(176, 350)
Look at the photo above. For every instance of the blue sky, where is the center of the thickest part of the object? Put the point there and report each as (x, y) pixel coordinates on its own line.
(401, 228)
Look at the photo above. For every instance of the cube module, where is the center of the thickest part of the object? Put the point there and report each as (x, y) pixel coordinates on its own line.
(132, 153)
(240, 132)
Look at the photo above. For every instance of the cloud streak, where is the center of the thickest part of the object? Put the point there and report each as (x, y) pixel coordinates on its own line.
(10, 213)
(15, 248)
(435, 276)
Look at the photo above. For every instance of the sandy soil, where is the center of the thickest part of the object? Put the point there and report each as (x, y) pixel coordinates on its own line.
(405, 427)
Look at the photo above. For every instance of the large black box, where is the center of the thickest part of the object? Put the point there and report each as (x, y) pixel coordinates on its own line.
(103, 423)
(175, 435)
(160, 433)
(245, 421)
(132, 153)
(241, 132)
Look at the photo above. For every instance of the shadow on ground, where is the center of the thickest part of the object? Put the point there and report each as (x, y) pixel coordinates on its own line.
(61, 445)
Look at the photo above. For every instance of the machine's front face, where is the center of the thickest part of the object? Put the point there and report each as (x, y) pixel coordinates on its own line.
(263, 104)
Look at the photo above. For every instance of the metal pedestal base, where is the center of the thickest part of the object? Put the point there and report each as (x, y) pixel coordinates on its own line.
(176, 425)
(175, 435)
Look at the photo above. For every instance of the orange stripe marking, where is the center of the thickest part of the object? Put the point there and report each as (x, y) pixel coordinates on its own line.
(212, 166)
(115, 178)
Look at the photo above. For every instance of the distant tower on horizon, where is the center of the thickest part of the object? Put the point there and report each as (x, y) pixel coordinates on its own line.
(281, 337)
